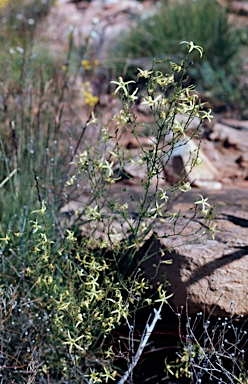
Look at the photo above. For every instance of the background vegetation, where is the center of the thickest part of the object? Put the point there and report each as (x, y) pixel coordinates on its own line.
(69, 277)
(205, 21)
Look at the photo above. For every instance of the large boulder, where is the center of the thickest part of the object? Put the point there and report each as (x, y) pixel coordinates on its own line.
(230, 136)
(205, 274)
(180, 165)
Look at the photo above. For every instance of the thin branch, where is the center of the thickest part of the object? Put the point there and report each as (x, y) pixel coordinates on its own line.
(8, 178)
(143, 342)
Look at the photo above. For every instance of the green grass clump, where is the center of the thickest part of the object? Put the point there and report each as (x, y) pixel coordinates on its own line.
(201, 21)
(32, 87)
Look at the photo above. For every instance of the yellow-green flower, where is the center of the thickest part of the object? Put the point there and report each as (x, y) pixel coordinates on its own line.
(122, 85)
(185, 187)
(207, 115)
(213, 230)
(150, 101)
(192, 46)
(204, 204)
(73, 343)
(144, 73)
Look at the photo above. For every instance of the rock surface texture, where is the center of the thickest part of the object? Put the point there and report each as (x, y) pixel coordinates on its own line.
(210, 274)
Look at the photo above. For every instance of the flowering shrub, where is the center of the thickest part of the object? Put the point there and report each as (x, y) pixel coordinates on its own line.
(65, 290)
(68, 280)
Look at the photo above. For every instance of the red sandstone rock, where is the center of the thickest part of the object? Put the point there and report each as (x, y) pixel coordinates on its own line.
(230, 136)
(240, 7)
(205, 175)
(238, 124)
(206, 274)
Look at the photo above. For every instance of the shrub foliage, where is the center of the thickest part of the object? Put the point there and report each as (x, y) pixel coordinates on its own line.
(68, 279)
